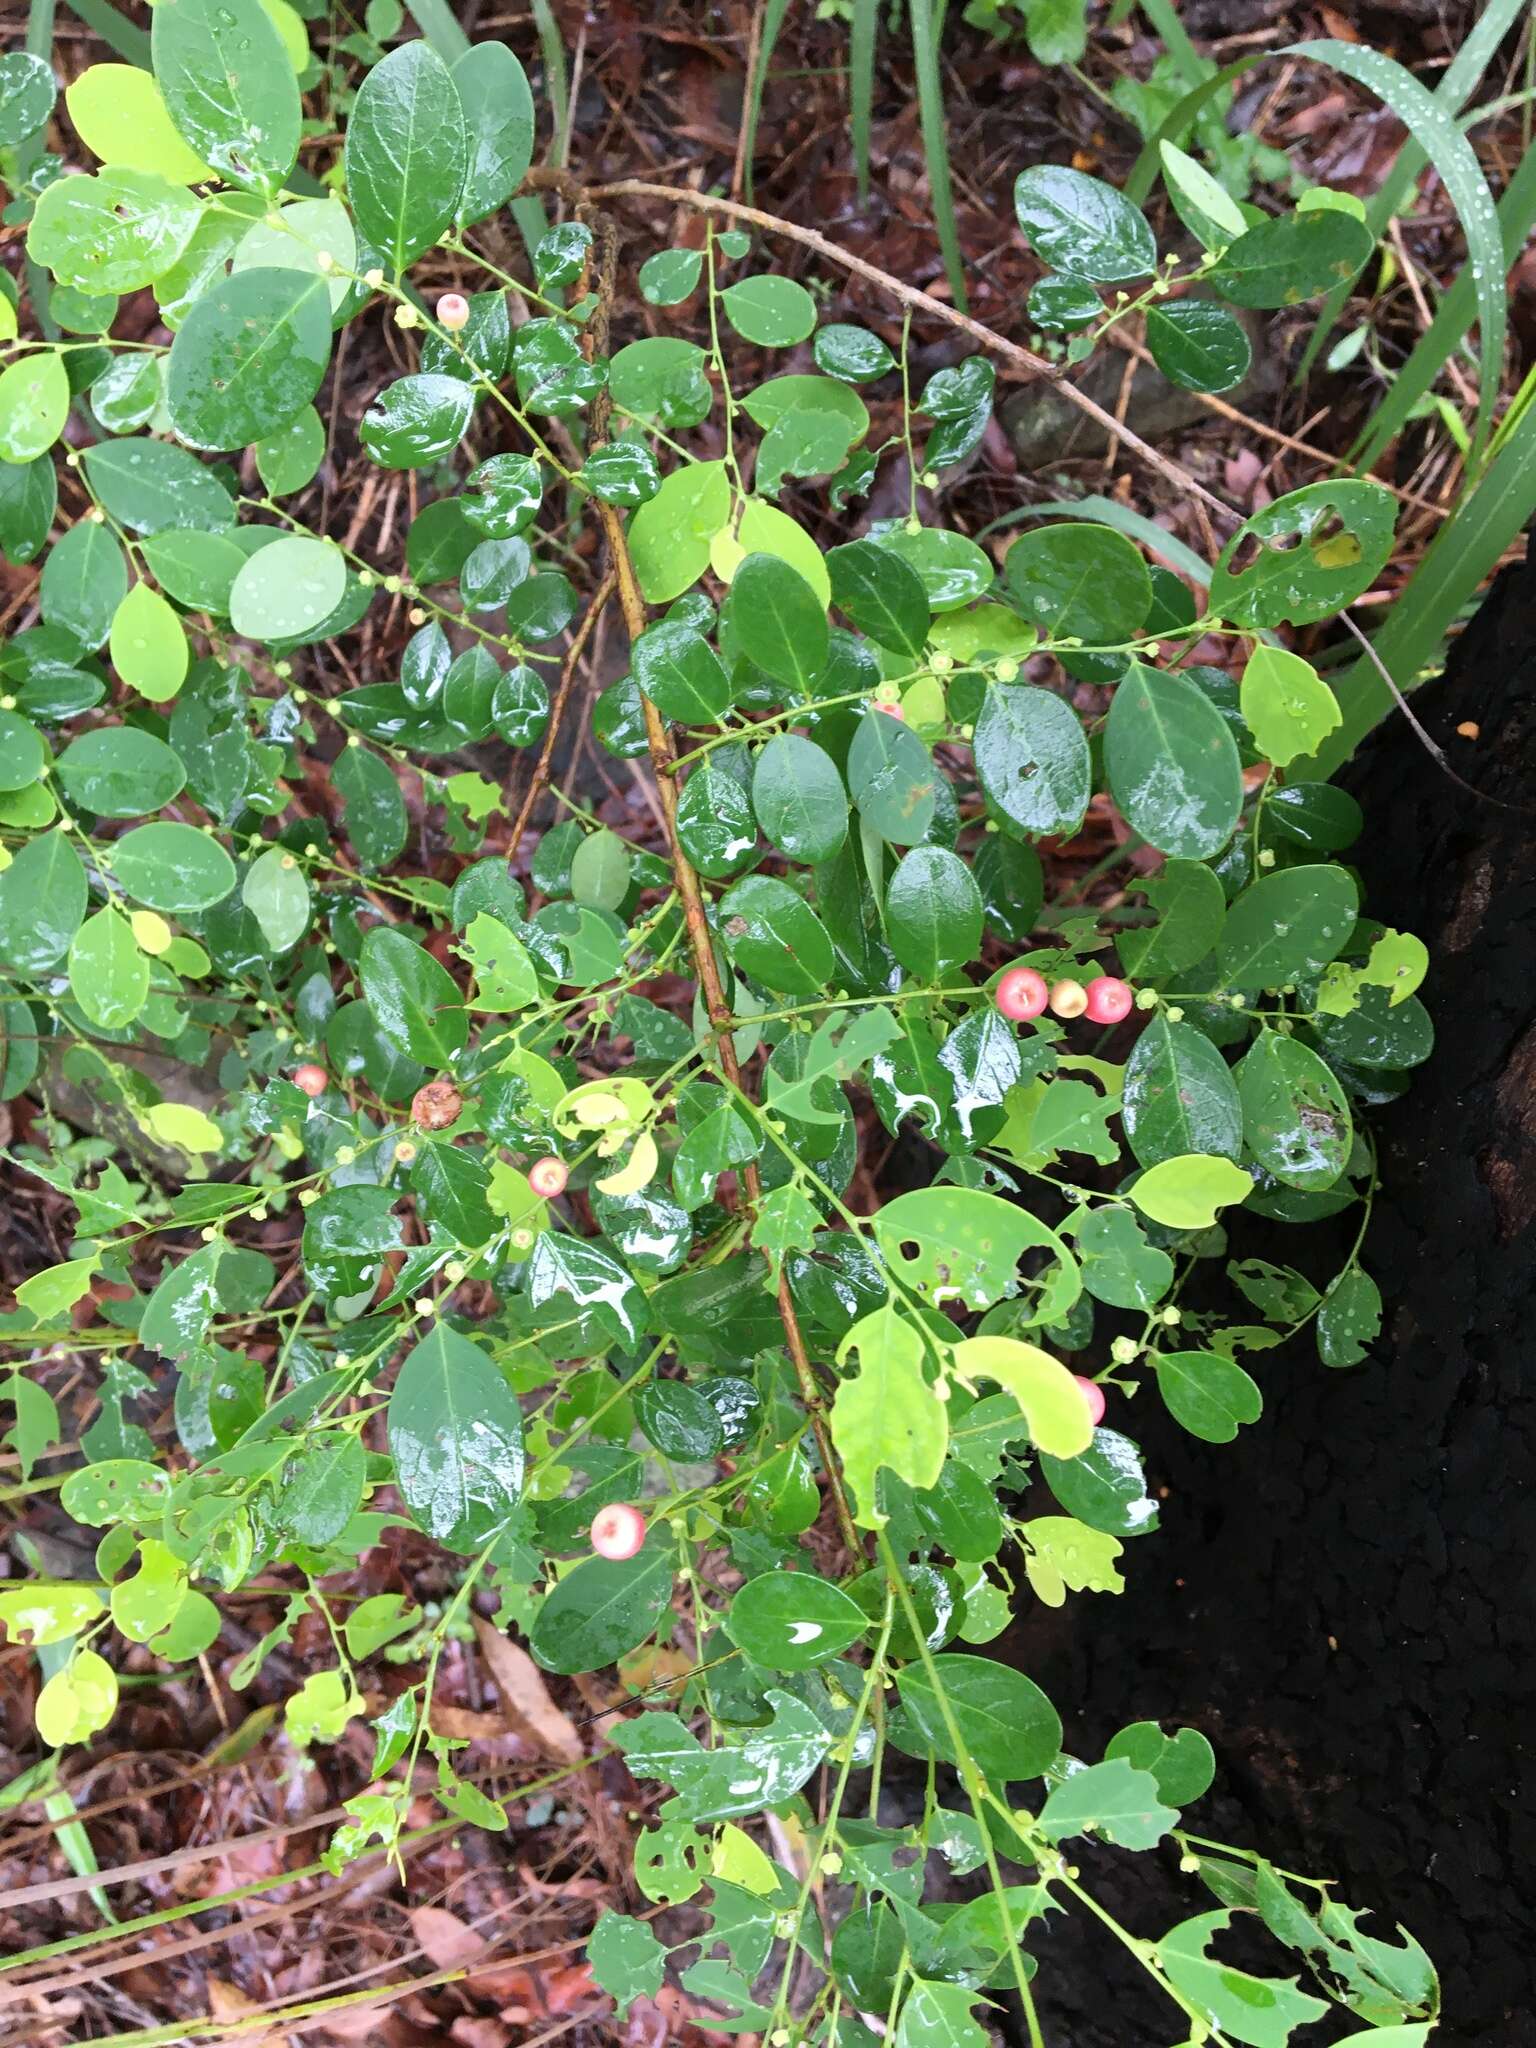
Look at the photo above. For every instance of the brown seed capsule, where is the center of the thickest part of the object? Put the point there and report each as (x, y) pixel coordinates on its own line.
(436, 1106)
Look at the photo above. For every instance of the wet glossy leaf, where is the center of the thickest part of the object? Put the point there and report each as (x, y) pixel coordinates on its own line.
(1179, 1095)
(415, 1002)
(1009, 1728)
(277, 896)
(1172, 764)
(456, 1436)
(933, 912)
(1079, 224)
(1198, 346)
(120, 772)
(287, 588)
(34, 404)
(1113, 1799)
(1032, 758)
(1296, 1119)
(1191, 907)
(1285, 926)
(108, 975)
(1306, 556)
(1287, 706)
(681, 674)
(374, 814)
(789, 1621)
(799, 798)
(602, 1610)
(154, 487)
(881, 594)
(248, 356)
(892, 779)
(715, 822)
(668, 277)
(1209, 1394)
(772, 934)
(851, 353)
(407, 152)
(777, 621)
(1296, 256)
(171, 867)
(886, 1416)
(115, 232)
(1104, 1486)
(229, 87)
(1349, 1319)
(774, 312)
(1188, 1191)
(27, 94)
(417, 420)
(496, 103)
(959, 402)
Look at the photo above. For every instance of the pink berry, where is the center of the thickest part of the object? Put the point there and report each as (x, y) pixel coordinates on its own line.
(1021, 994)
(1108, 1000)
(618, 1531)
(892, 708)
(1093, 1395)
(1069, 999)
(453, 311)
(547, 1177)
(312, 1079)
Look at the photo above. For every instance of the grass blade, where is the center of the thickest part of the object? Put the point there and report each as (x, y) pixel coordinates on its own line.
(435, 19)
(1462, 555)
(1517, 215)
(129, 41)
(557, 78)
(927, 18)
(861, 85)
(1460, 79)
(1455, 160)
(770, 23)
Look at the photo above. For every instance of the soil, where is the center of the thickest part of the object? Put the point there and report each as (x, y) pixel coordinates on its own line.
(1342, 1600)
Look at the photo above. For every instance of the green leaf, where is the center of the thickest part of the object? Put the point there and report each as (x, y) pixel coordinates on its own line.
(42, 903)
(248, 356)
(1104, 1486)
(21, 752)
(85, 579)
(1286, 927)
(1298, 256)
(1119, 1266)
(852, 354)
(456, 1436)
(417, 420)
(578, 1275)
(715, 821)
(34, 404)
(1085, 582)
(1206, 208)
(939, 2015)
(120, 772)
(155, 487)
(887, 1416)
(27, 94)
(229, 87)
(1179, 1095)
(962, 1245)
(772, 934)
(1209, 1394)
(1198, 346)
(1183, 1766)
(1296, 1118)
(171, 867)
(108, 975)
(148, 645)
(1185, 1192)
(668, 277)
(789, 1621)
(115, 232)
(1304, 557)
(602, 1610)
(1050, 1399)
(681, 674)
(1287, 706)
(1006, 1725)
(1113, 1799)
(882, 595)
(1032, 758)
(1079, 224)
(277, 896)
(119, 113)
(1349, 1319)
(1261, 2011)
(777, 621)
(287, 588)
(1192, 908)
(375, 813)
(415, 1002)
(407, 153)
(626, 1959)
(1172, 764)
(496, 103)
(669, 536)
(799, 798)
(933, 912)
(959, 402)
(761, 1767)
(773, 312)
(891, 778)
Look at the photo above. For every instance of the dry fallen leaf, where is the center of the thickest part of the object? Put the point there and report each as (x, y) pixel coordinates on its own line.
(227, 2001)
(525, 1697)
(445, 1939)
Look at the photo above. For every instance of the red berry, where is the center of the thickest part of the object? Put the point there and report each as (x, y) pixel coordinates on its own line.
(618, 1531)
(547, 1177)
(1069, 999)
(1108, 1000)
(893, 708)
(1093, 1394)
(453, 311)
(312, 1079)
(1021, 994)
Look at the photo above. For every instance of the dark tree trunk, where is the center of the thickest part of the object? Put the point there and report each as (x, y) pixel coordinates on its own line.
(1343, 1599)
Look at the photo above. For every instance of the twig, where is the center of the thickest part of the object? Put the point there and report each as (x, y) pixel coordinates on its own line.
(907, 295)
(572, 662)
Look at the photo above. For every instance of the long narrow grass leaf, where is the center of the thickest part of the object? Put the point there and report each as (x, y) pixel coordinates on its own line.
(769, 27)
(1444, 334)
(861, 85)
(1460, 80)
(927, 17)
(115, 29)
(1456, 162)
(557, 78)
(1461, 556)
(438, 23)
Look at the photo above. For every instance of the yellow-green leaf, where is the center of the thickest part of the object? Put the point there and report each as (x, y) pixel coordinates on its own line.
(1051, 1399)
(147, 644)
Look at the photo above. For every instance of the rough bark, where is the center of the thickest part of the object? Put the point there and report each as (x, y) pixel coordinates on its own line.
(1343, 1600)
